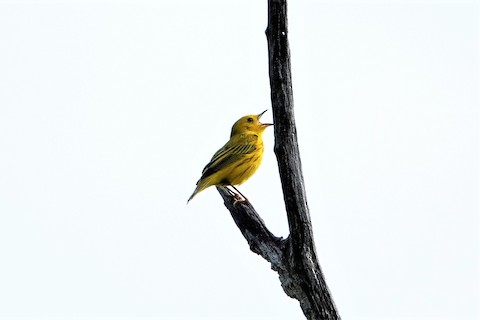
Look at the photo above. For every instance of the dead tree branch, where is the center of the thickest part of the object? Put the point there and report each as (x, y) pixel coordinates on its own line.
(294, 258)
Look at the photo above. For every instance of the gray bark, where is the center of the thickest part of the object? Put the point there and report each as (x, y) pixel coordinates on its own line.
(294, 258)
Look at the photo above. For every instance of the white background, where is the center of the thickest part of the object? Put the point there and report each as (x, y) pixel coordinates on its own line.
(110, 109)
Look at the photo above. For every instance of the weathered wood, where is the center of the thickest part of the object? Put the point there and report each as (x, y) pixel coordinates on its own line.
(310, 288)
(260, 239)
(294, 258)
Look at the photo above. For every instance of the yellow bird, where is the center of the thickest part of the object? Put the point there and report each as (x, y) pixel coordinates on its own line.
(238, 159)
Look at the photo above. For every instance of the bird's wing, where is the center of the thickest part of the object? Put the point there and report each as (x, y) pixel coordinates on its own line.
(228, 154)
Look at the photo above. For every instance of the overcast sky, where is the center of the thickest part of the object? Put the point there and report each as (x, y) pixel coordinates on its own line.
(109, 111)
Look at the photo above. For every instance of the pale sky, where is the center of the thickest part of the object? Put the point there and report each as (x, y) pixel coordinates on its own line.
(109, 111)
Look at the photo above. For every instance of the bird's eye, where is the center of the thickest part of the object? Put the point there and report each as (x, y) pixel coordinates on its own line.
(250, 119)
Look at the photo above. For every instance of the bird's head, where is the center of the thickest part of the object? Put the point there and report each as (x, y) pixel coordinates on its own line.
(250, 123)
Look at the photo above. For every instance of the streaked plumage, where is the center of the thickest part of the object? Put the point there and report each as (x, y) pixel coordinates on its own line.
(238, 159)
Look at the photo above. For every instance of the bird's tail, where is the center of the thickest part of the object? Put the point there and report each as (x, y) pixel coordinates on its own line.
(193, 195)
(201, 185)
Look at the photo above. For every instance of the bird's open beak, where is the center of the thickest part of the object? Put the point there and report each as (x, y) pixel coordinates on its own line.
(264, 124)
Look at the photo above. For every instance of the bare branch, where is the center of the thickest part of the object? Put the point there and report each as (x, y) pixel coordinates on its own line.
(294, 258)
(260, 239)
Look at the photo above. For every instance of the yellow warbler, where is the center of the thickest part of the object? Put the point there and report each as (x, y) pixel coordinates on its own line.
(238, 159)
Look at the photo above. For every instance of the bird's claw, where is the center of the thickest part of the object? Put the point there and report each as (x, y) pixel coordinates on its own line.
(237, 198)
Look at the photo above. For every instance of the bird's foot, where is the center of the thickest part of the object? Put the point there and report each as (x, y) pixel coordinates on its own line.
(239, 199)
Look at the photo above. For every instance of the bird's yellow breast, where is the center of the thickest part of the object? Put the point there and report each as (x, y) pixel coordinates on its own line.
(242, 169)
(240, 172)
